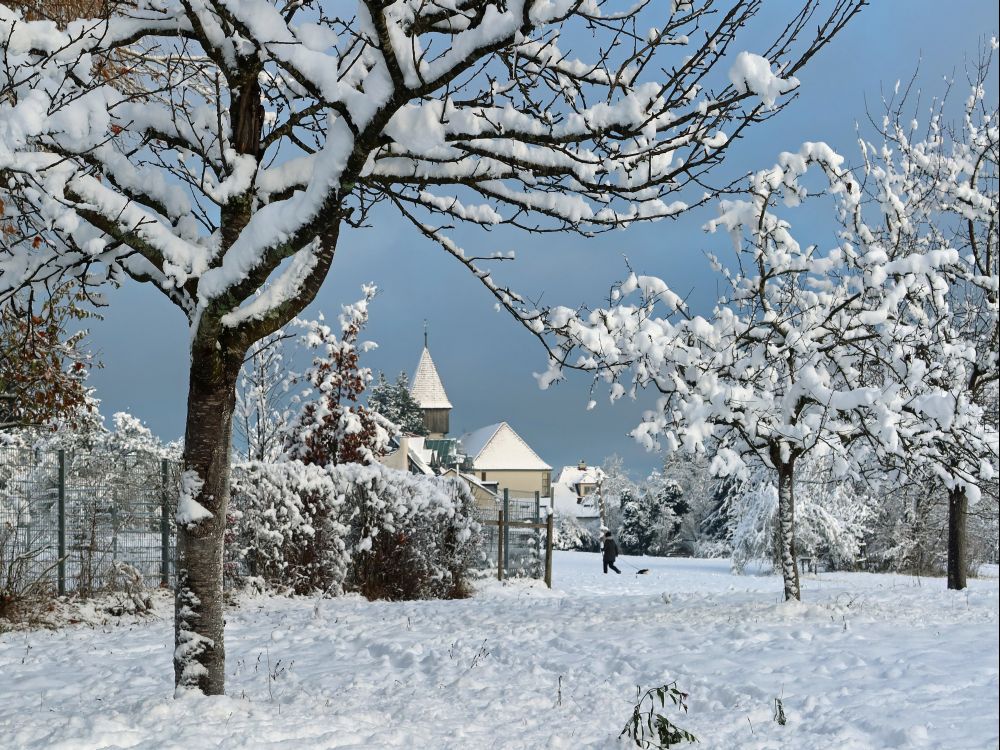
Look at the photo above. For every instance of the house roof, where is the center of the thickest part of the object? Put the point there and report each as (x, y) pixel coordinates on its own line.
(427, 389)
(565, 496)
(573, 475)
(471, 480)
(497, 447)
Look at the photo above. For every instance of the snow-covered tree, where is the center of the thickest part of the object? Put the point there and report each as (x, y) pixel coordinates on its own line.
(262, 413)
(938, 189)
(810, 353)
(221, 163)
(332, 427)
(698, 491)
(832, 517)
(394, 402)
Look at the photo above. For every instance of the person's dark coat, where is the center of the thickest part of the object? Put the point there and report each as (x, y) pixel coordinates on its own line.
(610, 549)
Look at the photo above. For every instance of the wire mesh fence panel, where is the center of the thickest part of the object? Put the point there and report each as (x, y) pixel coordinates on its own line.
(27, 539)
(523, 549)
(74, 518)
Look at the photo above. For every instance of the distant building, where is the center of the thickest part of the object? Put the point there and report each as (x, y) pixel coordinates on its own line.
(496, 453)
(575, 492)
(491, 459)
(428, 391)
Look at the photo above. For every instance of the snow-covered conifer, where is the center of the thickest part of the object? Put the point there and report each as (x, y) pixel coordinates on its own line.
(394, 402)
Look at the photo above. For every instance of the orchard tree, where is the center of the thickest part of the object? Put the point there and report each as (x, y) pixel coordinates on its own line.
(811, 353)
(215, 149)
(938, 187)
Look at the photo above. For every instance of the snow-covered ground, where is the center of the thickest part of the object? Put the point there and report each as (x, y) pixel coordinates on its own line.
(866, 661)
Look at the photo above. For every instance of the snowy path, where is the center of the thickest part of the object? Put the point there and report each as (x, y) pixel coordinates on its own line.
(866, 662)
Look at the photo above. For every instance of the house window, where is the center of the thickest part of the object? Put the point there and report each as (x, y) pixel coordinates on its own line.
(483, 473)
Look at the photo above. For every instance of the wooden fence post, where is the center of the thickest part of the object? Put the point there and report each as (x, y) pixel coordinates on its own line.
(500, 526)
(548, 550)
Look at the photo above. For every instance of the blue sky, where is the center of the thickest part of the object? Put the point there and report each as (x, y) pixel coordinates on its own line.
(486, 360)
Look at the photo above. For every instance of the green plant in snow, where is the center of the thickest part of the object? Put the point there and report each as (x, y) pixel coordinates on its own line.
(649, 729)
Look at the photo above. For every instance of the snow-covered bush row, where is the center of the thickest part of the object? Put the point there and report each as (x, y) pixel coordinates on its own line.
(385, 533)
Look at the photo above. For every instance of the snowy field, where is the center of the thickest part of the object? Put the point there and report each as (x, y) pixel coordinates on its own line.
(866, 661)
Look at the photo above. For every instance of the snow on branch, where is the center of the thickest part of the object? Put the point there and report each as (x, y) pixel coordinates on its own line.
(203, 146)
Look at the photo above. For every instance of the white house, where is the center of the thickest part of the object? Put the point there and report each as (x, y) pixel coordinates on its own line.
(497, 454)
(491, 459)
(575, 492)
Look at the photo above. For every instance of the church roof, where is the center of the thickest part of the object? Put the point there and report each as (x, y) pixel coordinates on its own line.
(497, 447)
(427, 389)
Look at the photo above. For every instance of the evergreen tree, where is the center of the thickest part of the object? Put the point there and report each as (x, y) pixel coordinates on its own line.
(631, 537)
(394, 402)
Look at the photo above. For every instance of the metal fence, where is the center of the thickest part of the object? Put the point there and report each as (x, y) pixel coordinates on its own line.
(510, 546)
(73, 518)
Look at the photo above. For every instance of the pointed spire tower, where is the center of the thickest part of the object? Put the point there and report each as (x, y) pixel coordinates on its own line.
(428, 391)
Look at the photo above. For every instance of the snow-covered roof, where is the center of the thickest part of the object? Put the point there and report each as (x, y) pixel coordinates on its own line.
(471, 480)
(573, 475)
(420, 456)
(427, 389)
(568, 500)
(497, 447)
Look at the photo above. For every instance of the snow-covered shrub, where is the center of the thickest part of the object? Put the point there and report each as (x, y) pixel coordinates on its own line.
(411, 537)
(289, 530)
(570, 534)
(22, 580)
(831, 519)
(385, 533)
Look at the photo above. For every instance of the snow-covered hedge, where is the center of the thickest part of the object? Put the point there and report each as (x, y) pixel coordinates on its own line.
(385, 533)
(570, 534)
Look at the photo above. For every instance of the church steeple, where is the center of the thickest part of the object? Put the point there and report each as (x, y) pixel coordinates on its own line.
(428, 391)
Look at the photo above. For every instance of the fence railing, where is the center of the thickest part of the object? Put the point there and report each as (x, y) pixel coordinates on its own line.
(74, 517)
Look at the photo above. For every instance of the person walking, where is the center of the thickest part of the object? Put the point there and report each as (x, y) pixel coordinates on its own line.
(610, 551)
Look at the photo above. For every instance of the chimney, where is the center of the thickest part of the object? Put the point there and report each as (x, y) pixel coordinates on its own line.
(582, 466)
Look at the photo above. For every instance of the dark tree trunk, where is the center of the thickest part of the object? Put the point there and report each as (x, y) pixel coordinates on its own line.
(199, 648)
(786, 530)
(958, 510)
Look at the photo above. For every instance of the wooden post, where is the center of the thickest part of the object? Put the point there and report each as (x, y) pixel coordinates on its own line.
(548, 550)
(500, 526)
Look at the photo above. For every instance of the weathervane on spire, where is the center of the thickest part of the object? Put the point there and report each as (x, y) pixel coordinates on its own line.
(425, 333)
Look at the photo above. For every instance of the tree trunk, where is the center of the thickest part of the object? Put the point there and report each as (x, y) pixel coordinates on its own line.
(601, 508)
(199, 648)
(786, 530)
(958, 510)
